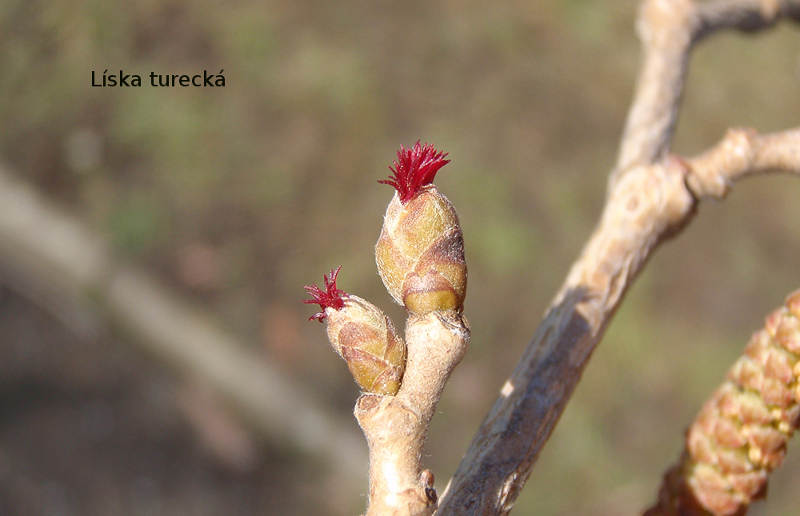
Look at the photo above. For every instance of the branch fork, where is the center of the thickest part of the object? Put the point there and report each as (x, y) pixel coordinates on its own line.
(652, 196)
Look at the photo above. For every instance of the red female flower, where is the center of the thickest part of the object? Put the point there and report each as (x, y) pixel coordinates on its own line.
(414, 168)
(331, 297)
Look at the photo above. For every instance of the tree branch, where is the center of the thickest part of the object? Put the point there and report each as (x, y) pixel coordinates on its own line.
(648, 205)
(744, 15)
(740, 153)
(668, 29)
(651, 197)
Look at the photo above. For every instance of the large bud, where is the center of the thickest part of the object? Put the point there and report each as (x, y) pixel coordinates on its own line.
(420, 251)
(362, 335)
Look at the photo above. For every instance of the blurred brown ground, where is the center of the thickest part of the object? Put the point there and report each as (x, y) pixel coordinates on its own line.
(239, 196)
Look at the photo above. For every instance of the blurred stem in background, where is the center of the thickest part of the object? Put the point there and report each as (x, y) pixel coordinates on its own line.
(52, 257)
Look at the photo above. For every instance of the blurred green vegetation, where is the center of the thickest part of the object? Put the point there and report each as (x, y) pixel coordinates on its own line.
(240, 195)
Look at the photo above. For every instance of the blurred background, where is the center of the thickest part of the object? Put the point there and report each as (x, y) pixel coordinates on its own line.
(230, 199)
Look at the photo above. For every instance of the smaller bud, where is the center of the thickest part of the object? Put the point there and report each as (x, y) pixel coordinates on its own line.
(420, 251)
(362, 335)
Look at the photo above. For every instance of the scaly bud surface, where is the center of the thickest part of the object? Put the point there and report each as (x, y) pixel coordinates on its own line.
(362, 335)
(420, 251)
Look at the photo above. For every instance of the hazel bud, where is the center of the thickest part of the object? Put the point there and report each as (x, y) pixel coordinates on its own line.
(420, 251)
(362, 335)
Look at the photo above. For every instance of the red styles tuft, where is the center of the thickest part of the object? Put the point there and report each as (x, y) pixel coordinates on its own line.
(414, 168)
(331, 297)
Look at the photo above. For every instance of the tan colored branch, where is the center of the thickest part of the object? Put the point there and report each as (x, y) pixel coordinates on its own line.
(396, 426)
(668, 29)
(651, 197)
(665, 30)
(647, 205)
(64, 265)
(740, 434)
(644, 207)
(740, 153)
(744, 15)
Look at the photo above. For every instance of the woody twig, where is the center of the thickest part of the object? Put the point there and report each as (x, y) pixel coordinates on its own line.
(420, 258)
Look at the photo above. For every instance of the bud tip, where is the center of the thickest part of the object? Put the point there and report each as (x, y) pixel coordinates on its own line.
(331, 297)
(414, 168)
